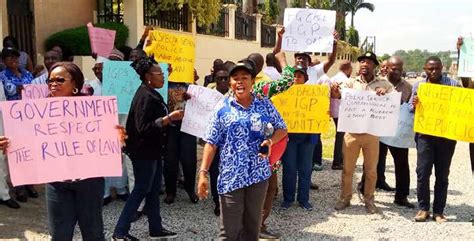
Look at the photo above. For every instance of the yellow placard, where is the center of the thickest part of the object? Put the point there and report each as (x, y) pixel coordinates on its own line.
(445, 111)
(305, 108)
(175, 49)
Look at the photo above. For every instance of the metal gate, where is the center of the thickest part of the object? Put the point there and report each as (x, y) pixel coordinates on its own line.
(21, 25)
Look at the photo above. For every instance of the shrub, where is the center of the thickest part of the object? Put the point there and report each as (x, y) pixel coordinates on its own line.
(77, 39)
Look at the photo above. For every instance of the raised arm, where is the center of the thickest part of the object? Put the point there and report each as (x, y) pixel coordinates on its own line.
(332, 57)
(269, 89)
(277, 48)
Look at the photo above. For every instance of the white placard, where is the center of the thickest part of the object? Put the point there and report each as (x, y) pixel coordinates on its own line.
(366, 112)
(199, 109)
(405, 136)
(308, 30)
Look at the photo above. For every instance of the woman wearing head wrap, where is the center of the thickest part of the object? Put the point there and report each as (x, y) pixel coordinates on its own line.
(146, 127)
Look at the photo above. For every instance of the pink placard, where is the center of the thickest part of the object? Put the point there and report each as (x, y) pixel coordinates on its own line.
(102, 40)
(34, 91)
(62, 138)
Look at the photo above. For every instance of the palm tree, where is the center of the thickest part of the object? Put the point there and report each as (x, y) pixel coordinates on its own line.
(354, 5)
(341, 11)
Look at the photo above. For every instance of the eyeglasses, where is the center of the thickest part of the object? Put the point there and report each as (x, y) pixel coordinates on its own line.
(58, 81)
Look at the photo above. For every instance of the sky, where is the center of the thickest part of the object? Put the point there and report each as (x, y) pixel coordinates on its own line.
(433, 25)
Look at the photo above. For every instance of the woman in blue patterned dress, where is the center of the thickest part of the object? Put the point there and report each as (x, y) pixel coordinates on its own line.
(238, 130)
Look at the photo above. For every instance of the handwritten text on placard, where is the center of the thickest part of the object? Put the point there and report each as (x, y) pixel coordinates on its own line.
(309, 30)
(199, 109)
(34, 91)
(305, 108)
(365, 112)
(62, 138)
(466, 58)
(176, 49)
(102, 40)
(445, 111)
(121, 80)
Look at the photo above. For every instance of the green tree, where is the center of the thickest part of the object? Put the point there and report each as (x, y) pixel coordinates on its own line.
(384, 57)
(415, 59)
(354, 5)
(340, 6)
(353, 37)
(320, 4)
(270, 11)
(205, 11)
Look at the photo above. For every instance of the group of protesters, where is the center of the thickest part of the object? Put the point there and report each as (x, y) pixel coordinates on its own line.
(246, 143)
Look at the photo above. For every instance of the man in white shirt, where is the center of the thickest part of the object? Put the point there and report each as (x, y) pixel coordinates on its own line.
(271, 69)
(50, 58)
(345, 71)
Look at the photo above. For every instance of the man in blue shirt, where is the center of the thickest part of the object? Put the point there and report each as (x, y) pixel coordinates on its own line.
(432, 151)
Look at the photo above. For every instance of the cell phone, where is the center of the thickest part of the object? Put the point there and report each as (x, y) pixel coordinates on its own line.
(263, 150)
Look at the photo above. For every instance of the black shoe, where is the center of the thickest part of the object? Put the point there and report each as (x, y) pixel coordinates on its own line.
(217, 210)
(265, 234)
(107, 200)
(10, 203)
(336, 167)
(169, 199)
(163, 234)
(403, 202)
(386, 187)
(123, 197)
(127, 237)
(22, 198)
(314, 186)
(32, 192)
(193, 198)
(137, 215)
(161, 192)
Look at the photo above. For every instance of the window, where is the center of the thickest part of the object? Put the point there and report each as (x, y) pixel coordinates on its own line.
(110, 11)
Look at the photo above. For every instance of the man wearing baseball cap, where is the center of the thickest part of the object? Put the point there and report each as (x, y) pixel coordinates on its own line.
(354, 142)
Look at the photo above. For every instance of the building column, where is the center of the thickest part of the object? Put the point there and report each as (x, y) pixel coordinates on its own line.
(258, 27)
(232, 8)
(3, 19)
(133, 19)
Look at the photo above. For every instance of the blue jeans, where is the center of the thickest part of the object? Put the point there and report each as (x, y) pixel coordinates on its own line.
(318, 152)
(80, 202)
(297, 163)
(147, 186)
(437, 152)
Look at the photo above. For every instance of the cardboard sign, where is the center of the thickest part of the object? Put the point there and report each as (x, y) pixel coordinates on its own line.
(466, 58)
(304, 108)
(177, 50)
(366, 112)
(404, 136)
(102, 40)
(62, 138)
(445, 111)
(309, 30)
(121, 80)
(199, 109)
(34, 91)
